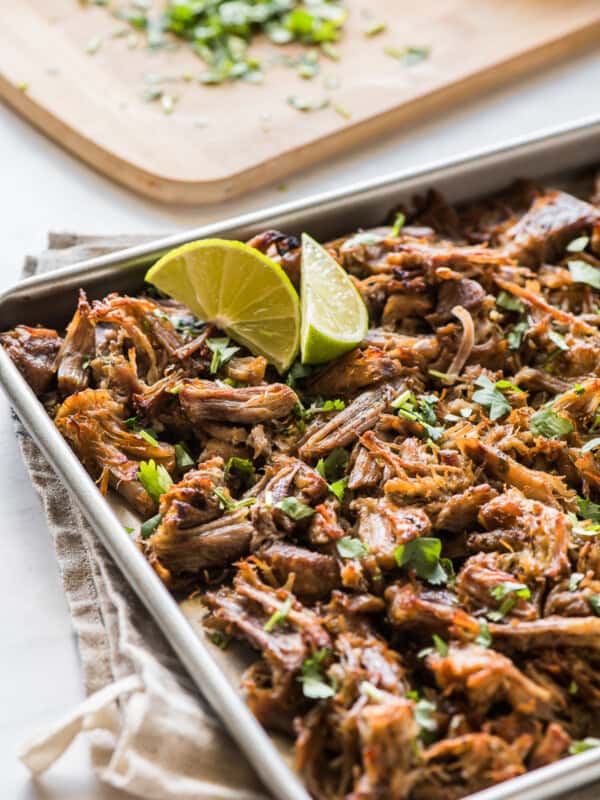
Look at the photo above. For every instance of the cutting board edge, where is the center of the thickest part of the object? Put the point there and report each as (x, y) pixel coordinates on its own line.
(172, 190)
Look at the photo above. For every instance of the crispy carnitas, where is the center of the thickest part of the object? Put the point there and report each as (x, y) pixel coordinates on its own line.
(409, 536)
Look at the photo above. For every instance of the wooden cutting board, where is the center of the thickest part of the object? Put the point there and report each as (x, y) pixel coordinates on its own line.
(221, 141)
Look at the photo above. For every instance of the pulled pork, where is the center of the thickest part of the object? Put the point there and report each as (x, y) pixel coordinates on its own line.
(407, 536)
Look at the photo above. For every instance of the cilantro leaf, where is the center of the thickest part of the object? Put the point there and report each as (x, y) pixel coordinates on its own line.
(491, 398)
(582, 272)
(338, 488)
(504, 588)
(583, 744)
(150, 525)
(183, 457)
(222, 351)
(549, 424)
(588, 509)
(484, 638)
(558, 340)
(243, 467)
(399, 223)
(510, 302)
(420, 411)
(424, 710)
(423, 556)
(294, 508)
(280, 615)
(314, 683)
(515, 336)
(594, 601)
(349, 547)
(154, 478)
(324, 408)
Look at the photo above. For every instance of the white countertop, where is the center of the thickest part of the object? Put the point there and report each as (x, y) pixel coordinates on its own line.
(42, 188)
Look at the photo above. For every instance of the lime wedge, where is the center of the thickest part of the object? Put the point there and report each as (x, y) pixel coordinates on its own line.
(334, 316)
(238, 289)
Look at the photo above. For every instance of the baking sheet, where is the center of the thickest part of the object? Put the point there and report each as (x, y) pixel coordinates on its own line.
(50, 299)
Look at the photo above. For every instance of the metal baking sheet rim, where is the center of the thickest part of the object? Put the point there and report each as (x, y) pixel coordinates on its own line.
(283, 783)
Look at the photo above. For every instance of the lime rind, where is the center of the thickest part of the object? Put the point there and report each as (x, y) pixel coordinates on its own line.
(334, 316)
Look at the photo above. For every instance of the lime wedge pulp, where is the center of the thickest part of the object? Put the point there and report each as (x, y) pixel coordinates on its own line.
(238, 289)
(334, 316)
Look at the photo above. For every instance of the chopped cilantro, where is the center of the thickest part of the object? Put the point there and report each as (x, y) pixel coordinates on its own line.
(150, 525)
(505, 588)
(399, 223)
(594, 601)
(222, 351)
(582, 272)
(549, 424)
(232, 505)
(338, 488)
(324, 408)
(489, 396)
(333, 467)
(510, 302)
(183, 457)
(349, 547)
(294, 508)
(440, 645)
(515, 336)
(558, 340)
(420, 411)
(423, 556)
(243, 467)
(154, 478)
(314, 683)
(484, 639)
(424, 711)
(147, 437)
(220, 639)
(583, 744)
(280, 615)
(588, 509)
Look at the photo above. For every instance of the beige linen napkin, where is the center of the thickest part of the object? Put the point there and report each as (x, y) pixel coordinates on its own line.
(150, 732)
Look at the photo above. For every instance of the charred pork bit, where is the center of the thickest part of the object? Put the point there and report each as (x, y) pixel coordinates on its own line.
(347, 425)
(194, 534)
(205, 400)
(478, 581)
(554, 745)
(457, 767)
(566, 602)
(409, 606)
(315, 575)
(460, 511)
(387, 732)
(246, 610)
(366, 472)
(383, 526)
(426, 347)
(487, 677)
(285, 478)
(33, 351)
(93, 423)
(547, 530)
(553, 220)
(505, 469)
(355, 371)
(250, 369)
(76, 351)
